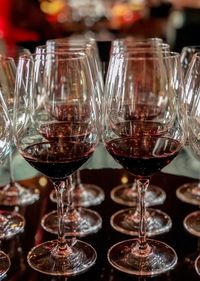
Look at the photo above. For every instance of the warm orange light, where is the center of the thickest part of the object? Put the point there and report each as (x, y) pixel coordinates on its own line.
(53, 7)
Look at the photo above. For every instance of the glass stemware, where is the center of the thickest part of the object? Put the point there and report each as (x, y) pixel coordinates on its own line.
(83, 194)
(127, 221)
(13, 193)
(143, 132)
(189, 192)
(83, 221)
(192, 84)
(86, 194)
(4, 148)
(56, 131)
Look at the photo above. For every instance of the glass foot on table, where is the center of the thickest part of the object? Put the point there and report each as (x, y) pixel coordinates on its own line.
(17, 195)
(78, 260)
(189, 193)
(80, 222)
(126, 221)
(192, 223)
(4, 264)
(197, 265)
(160, 258)
(126, 194)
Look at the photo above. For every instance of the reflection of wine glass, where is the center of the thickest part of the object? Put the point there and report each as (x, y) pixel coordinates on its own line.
(54, 146)
(13, 193)
(143, 133)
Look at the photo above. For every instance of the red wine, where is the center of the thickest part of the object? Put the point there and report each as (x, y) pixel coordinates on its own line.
(143, 156)
(57, 159)
(74, 131)
(130, 128)
(63, 111)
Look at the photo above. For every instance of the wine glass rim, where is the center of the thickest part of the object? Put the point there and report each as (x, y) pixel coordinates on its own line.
(152, 54)
(52, 55)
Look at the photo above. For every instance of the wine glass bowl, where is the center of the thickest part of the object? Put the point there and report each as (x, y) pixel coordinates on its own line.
(55, 129)
(143, 132)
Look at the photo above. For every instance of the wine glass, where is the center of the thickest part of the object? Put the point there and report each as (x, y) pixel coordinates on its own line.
(4, 147)
(189, 192)
(13, 193)
(84, 194)
(56, 146)
(127, 220)
(192, 221)
(126, 194)
(144, 132)
(192, 83)
(78, 221)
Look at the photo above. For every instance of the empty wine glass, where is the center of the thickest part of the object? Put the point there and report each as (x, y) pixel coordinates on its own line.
(56, 131)
(192, 221)
(192, 84)
(189, 192)
(13, 193)
(143, 132)
(4, 147)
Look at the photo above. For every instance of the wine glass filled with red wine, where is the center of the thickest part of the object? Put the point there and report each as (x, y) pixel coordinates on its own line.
(56, 131)
(144, 132)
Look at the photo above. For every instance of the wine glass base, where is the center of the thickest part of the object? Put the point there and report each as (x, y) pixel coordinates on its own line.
(88, 195)
(125, 194)
(197, 265)
(80, 222)
(124, 257)
(11, 224)
(125, 221)
(192, 223)
(17, 195)
(82, 256)
(4, 264)
(189, 193)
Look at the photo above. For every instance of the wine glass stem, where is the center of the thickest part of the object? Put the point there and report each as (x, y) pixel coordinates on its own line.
(10, 157)
(63, 248)
(77, 181)
(142, 185)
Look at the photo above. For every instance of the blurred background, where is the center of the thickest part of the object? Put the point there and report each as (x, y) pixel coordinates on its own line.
(29, 23)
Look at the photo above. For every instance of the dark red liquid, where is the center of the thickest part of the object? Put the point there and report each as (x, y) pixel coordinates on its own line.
(69, 130)
(62, 111)
(57, 159)
(143, 156)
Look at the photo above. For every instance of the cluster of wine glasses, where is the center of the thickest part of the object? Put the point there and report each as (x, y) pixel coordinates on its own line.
(56, 129)
(143, 132)
(58, 109)
(12, 223)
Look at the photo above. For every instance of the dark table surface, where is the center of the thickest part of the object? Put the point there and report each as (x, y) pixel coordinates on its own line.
(184, 243)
